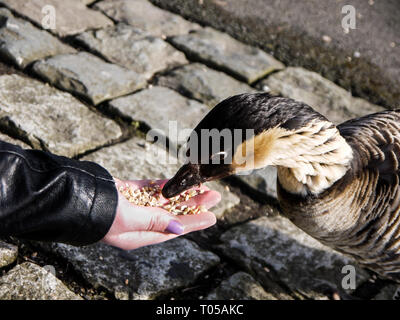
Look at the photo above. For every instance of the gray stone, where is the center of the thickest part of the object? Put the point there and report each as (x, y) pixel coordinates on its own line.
(202, 83)
(224, 52)
(89, 76)
(240, 286)
(139, 159)
(71, 17)
(135, 159)
(28, 281)
(323, 95)
(51, 119)
(365, 61)
(157, 107)
(133, 49)
(262, 181)
(396, 295)
(143, 273)
(228, 202)
(390, 292)
(143, 15)
(273, 245)
(8, 139)
(22, 43)
(8, 253)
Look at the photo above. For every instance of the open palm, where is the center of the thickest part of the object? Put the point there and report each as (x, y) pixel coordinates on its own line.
(136, 226)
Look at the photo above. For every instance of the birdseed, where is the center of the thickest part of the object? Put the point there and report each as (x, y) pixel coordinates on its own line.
(150, 196)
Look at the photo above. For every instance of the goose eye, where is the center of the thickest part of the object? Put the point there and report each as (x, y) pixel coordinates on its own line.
(219, 155)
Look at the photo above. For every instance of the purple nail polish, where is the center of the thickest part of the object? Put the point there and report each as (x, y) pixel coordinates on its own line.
(175, 227)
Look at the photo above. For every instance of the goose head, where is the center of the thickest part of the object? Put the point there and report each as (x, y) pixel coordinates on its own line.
(252, 131)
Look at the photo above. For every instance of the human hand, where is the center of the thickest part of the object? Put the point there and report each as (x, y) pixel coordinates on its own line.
(137, 226)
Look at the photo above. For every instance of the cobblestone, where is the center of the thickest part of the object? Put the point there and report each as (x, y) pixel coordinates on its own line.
(323, 95)
(88, 76)
(133, 49)
(157, 106)
(144, 273)
(8, 139)
(223, 52)
(261, 181)
(22, 43)
(8, 253)
(52, 119)
(143, 15)
(240, 286)
(87, 2)
(274, 246)
(71, 17)
(202, 83)
(28, 281)
(388, 293)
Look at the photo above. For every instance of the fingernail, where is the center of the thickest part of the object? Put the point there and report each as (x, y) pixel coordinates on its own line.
(175, 227)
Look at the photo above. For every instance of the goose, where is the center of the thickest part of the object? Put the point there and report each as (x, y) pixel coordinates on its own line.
(339, 184)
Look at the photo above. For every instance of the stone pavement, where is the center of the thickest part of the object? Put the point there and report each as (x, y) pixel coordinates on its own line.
(309, 34)
(92, 88)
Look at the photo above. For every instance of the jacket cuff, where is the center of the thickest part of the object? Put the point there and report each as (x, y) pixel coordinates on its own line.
(103, 209)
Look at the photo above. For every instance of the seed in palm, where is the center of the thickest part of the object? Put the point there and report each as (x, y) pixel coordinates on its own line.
(150, 196)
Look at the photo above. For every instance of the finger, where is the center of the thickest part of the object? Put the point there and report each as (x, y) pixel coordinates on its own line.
(148, 219)
(207, 199)
(190, 222)
(136, 239)
(197, 222)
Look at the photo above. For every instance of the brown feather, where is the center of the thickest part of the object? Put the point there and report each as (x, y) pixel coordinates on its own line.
(360, 214)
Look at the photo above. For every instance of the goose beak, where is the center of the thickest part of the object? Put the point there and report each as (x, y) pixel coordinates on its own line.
(186, 177)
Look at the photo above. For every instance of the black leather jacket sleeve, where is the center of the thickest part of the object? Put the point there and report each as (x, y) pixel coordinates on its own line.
(51, 198)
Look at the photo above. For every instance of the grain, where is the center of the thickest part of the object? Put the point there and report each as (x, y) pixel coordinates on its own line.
(150, 196)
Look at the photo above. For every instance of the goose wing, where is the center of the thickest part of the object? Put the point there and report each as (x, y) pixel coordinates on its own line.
(375, 140)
